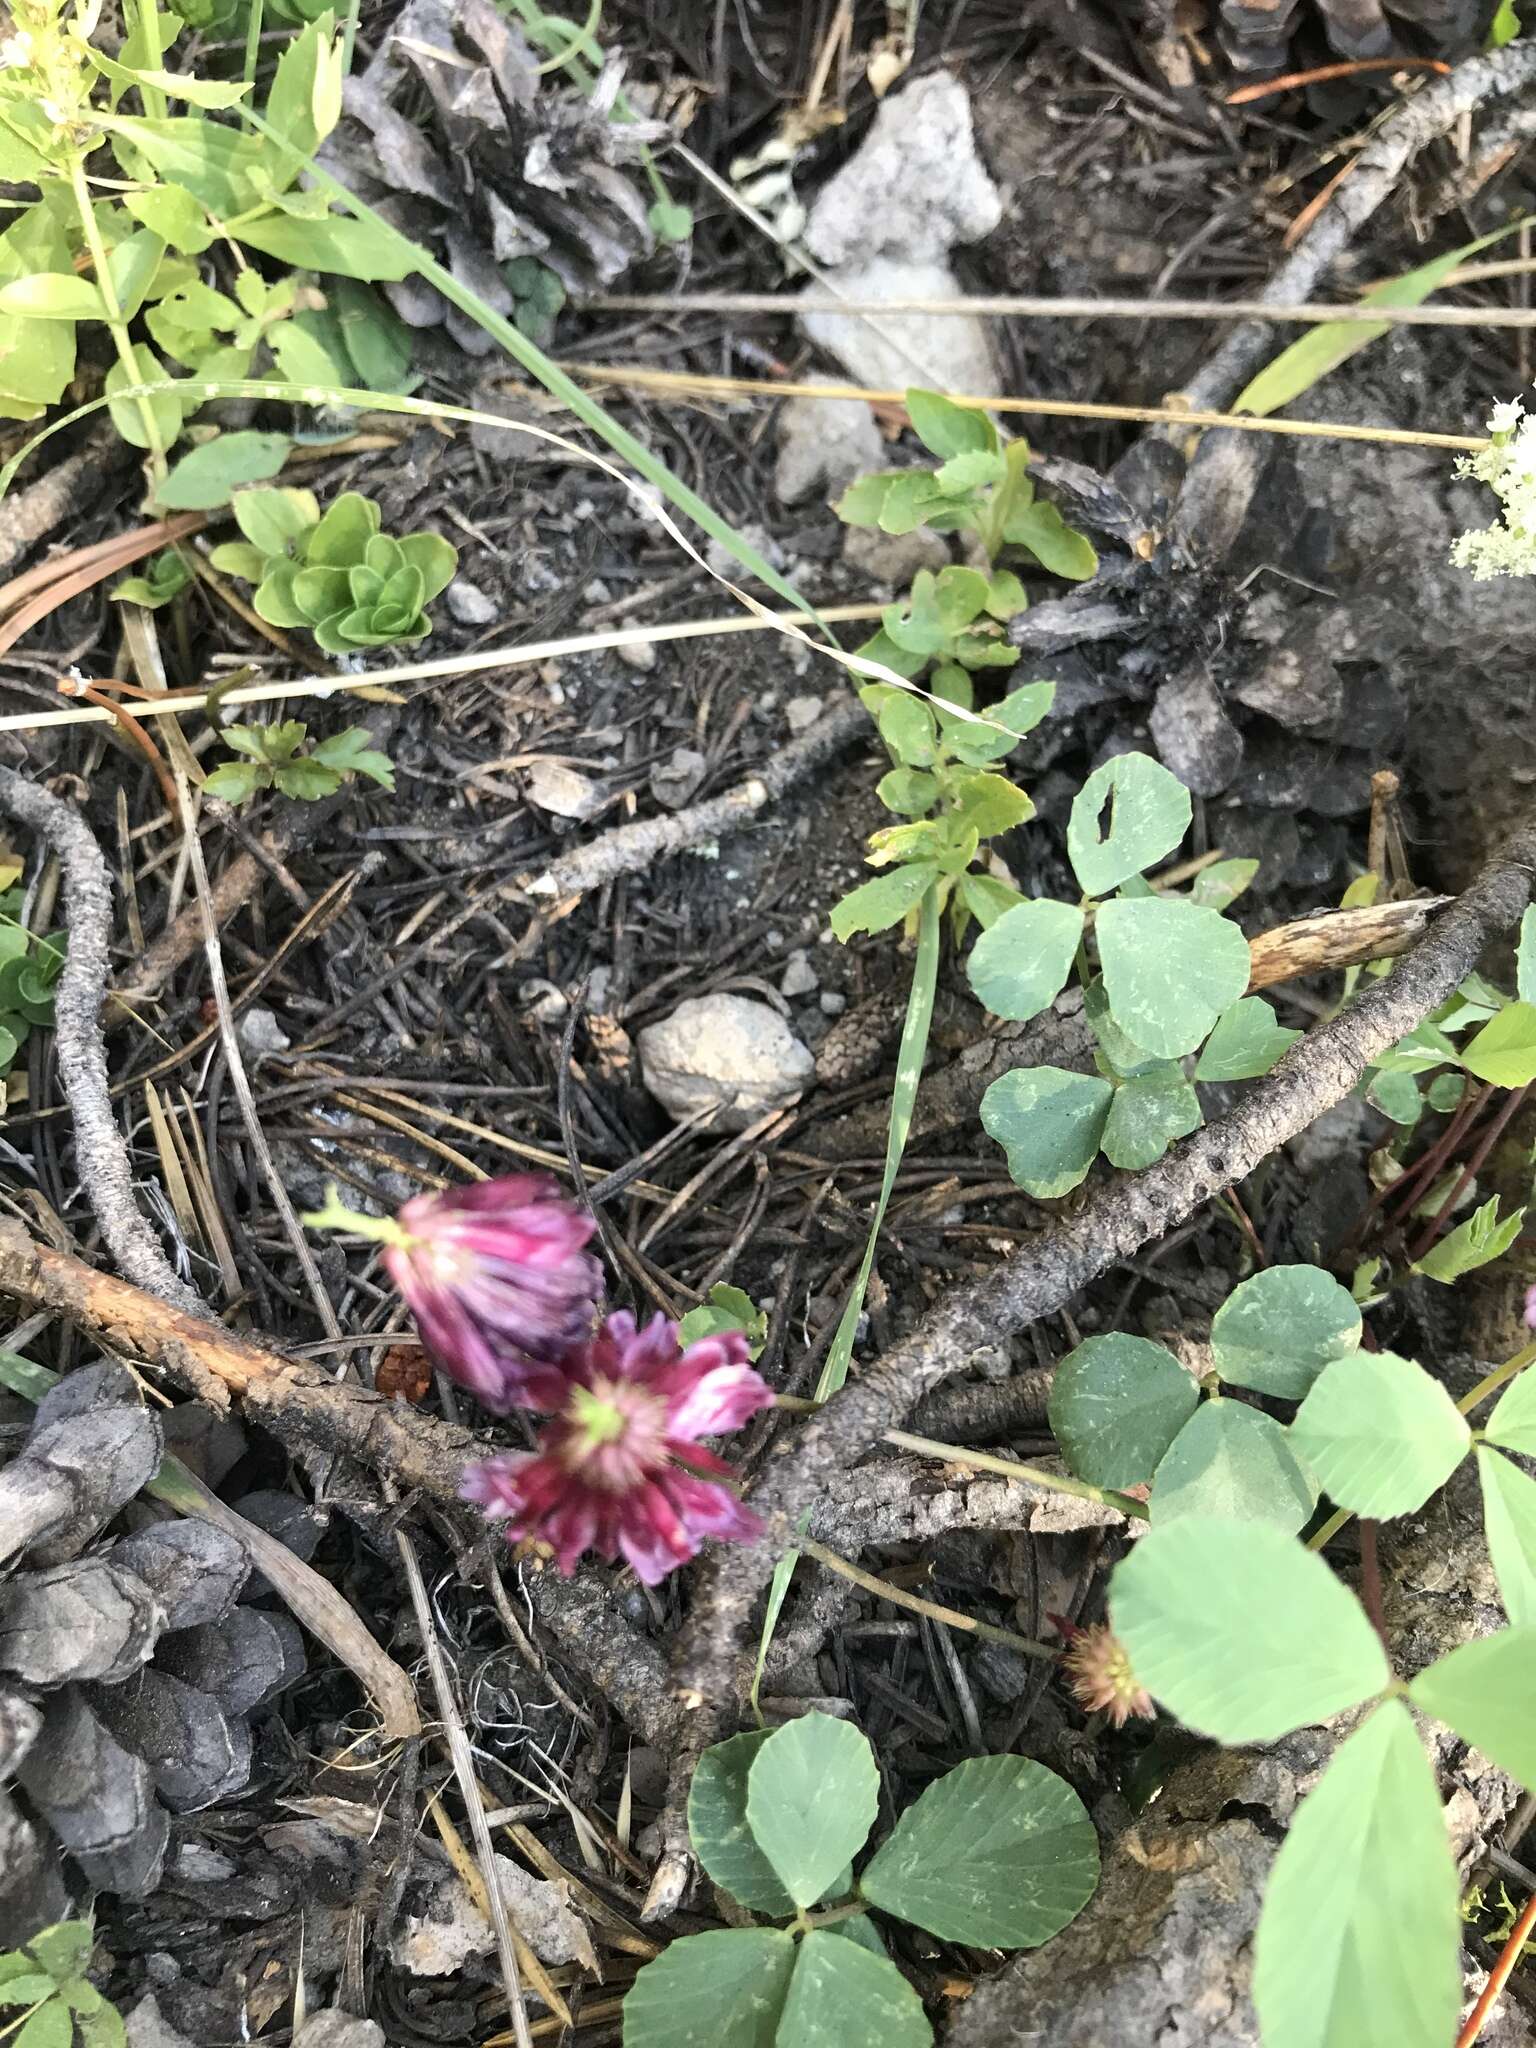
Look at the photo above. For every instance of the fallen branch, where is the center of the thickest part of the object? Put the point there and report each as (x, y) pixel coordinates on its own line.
(1430, 113)
(101, 1157)
(631, 849)
(1046, 1273)
(33, 513)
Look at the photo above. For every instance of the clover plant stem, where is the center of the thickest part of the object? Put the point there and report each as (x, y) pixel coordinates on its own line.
(806, 1921)
(986, 1461)
(950, 1616)
(116, 324)
(1499, 1377)
(12, 2026)
(253, 42)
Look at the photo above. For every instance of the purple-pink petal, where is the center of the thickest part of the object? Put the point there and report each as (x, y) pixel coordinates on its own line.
(722, 1400)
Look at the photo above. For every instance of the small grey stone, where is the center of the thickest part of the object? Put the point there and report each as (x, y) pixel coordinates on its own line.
(894, 558)
(637, 654)
(259, 1032)
(677, 781)
(147, 2027)
(833, 1003)
(802, 713)
(728, 1055)
(334, 2028)
(825, 442)
(468, 603)
(1194, 735)
(800, 977)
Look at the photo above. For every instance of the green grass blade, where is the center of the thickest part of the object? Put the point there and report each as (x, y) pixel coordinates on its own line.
(1321, 349)
(909, 1071)
(778, 1592)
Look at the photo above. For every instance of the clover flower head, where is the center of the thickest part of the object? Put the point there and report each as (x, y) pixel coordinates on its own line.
(619, 1468)
(1100, 1675)
(498, 1279)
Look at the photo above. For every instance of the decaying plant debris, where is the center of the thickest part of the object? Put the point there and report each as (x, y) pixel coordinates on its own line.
(269, 1691)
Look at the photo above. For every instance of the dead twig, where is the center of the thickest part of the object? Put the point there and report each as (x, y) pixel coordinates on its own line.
(1374, 173)
(101, 1155)
(631, 849)
(1052, 1268)
(30, 514)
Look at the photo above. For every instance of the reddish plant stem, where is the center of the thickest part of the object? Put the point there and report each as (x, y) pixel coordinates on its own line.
(1409, 1184)
(1500, 1975)
(133, 731)
(1469, 1172)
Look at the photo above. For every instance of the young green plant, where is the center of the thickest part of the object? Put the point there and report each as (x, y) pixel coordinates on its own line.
(997, 1853)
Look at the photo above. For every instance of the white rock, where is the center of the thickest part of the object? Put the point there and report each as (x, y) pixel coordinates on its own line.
(468, 603)
(889, 351)
(800, 977)
(916, 184)
(825, 443)
(894, 558)
(637, 654)
(334, 2028)
(450, 1927)
(883, 229)
(833, 1003)
(726, 1054)
(259, 1032)
(802, 713)
(554, 787)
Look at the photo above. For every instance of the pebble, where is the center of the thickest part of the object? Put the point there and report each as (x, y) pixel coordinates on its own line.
(554, 787)
(728, 1055)
(802, 713)
(676, 781)
(800, 977)
(833, 1003)
(468, 603)
(637, 654)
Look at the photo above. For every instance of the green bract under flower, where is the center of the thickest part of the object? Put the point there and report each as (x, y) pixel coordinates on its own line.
(353, 586)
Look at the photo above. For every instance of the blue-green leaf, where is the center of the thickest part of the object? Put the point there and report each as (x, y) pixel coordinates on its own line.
(1241, 1631)
(1116, 1405)
(1020, 965)
(1049, 1122)
(998, 1853)
(1127, 816)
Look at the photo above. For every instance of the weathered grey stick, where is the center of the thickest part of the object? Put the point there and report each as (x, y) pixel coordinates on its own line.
(101, 1154)
(1045, 1274)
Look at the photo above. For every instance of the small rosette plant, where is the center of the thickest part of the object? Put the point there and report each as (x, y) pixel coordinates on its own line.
(997, 1853)
(275, 759)
(351, 585)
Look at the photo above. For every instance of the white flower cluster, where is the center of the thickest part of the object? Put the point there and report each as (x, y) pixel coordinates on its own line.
(1508, 467)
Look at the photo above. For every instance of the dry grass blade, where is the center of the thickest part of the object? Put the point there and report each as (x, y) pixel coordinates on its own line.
(311, 1600)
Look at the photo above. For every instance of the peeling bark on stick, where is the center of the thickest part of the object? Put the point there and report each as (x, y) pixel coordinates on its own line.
(1049, 1270)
